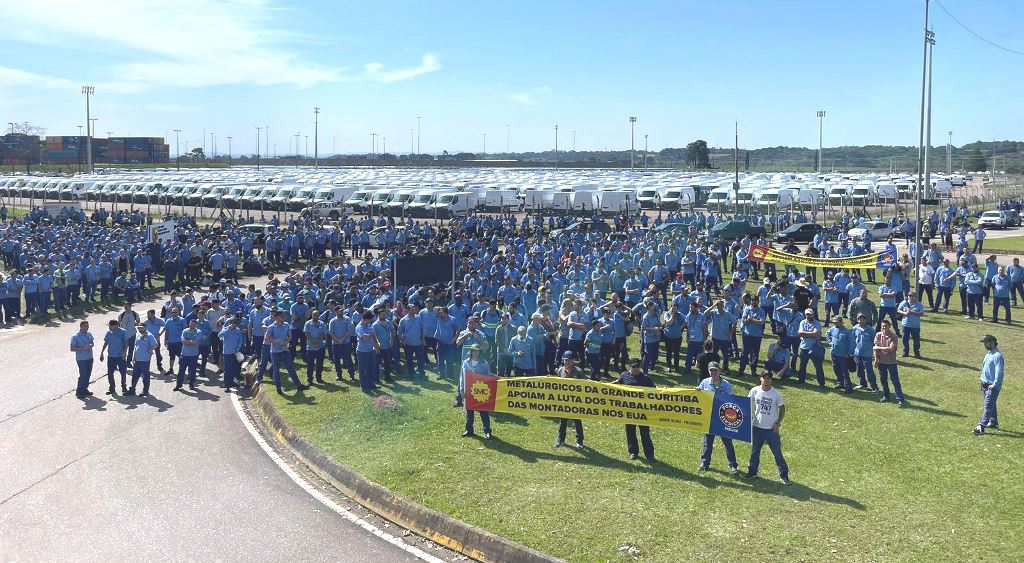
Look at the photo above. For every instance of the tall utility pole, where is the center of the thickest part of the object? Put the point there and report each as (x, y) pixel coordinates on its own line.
(632, 123)
(556, 146)
(508, 138)
(306, 151)
(373, 145)
(736, 158)
(412, 141)
(213, 147)
(921, 154)
(485, 144)
(821, 126)
(229, 151)
(258, 129)
(573, 140)
(177, 150)
(316, 138)
(949, 153)
(645, 152)
(418, 117)
(88, 91)
(384, 147)
(266, 152)
(297, 153)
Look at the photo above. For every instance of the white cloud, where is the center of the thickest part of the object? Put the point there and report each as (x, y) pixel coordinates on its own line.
(531, 97)
(376, 71)
(14, 77)
(182, 44)
(524, 98)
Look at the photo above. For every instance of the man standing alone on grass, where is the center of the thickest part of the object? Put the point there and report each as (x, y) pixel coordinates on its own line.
(718, 386)
(769, 411)
(991, 384)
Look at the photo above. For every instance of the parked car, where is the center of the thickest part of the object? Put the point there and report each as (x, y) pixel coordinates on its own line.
(799, 232)
(880, 230)
(734, 229)
(1012, 218)
(992, 220)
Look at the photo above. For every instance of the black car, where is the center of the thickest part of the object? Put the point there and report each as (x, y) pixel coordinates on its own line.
(799, 232)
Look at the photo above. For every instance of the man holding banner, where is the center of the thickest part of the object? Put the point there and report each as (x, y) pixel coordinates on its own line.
(722, 389)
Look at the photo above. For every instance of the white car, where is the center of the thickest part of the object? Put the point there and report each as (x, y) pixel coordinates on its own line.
(992, 220)
(880, 230)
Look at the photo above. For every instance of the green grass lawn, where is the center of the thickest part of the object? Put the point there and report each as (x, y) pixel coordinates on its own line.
(871, 481)
(1010, 244)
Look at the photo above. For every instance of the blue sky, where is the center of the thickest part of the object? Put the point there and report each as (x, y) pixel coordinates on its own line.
(686, 69)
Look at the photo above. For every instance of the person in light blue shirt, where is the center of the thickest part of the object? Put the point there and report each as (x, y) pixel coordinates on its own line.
(863, 353)
(650, 330)
(841, 341)
(444, 333)
(810, 347)
(173, 327)
(191, 338)
(722, 324)
(522, 348)
(386, 339)
(1000, 284)
(315, 333)
(696, 333)
(887, 300)
(115, 343)
(991, 381)
(910, 312)
(82, 343)
(232, 341)
(300, 313)
(341, 333)
(367, 349)
(752, 319)
(831, 291)
(945, 281)
(672, 321)
(279, 335)
(1016, 274)
(412, 336)
(145, 345)
(974, 282)
(721, 388)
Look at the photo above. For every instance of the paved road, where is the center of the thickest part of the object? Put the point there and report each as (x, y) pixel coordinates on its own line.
(175, 477)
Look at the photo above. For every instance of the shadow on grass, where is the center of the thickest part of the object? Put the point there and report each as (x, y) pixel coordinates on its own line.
(592, 457)
(946, 363)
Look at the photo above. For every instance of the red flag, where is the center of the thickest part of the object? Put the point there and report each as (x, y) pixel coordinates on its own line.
(481, 391)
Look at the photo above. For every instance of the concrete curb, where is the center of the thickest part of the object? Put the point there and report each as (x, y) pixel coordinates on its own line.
(439, 528)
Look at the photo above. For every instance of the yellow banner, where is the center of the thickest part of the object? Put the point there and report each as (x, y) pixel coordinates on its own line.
(760, 253)
(684, 409)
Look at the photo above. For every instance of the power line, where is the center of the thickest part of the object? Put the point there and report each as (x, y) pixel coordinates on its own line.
(972, 32)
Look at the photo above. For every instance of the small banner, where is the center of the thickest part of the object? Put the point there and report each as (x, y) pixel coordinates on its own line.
(674, 407)
(883, 260)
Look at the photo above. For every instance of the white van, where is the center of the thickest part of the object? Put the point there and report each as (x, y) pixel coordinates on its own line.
(422, 204)
(721, 199)
(885, 192)
(359, 200)
(400, 199)
(454, 204)
(771, 200)
(677, 197)
(863, 194)
(746, 198)
(650, 197)
(941, 188)
(502, 199)
(613, 202)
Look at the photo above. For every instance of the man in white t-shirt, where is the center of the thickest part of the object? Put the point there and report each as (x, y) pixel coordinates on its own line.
(925, 281)
(769, 410)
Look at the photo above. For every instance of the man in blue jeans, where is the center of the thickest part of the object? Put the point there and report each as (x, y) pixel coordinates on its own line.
(720, 387)
(991, 384)
(279, 336)
(911, 311)
(115, 344)
(810, 347)
(367, 349)
(82, 343)
(769, 411)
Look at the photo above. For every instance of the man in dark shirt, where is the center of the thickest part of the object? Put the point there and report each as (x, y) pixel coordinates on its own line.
(705, 358)
(635, 377)
(802, 295)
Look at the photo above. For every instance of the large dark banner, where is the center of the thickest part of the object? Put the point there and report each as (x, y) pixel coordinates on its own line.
(433, 268)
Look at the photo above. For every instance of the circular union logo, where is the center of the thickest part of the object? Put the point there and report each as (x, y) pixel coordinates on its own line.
(730, 415)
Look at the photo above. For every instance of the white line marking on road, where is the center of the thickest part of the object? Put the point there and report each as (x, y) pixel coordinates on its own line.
(397, 542)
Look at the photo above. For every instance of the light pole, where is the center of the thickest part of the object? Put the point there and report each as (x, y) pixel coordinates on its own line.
(229, 151)
(645, 152)
(508, 138)
(267, 142)
(79, 145)
(821, 126)
(213, 146)
(305, 151)
(297, 153)
(177, 150)
(485, 144)
(949, 153)
(88, 91)
(574, 140)
(412, 141)
(373, 146)
(418, 117)
(384, 147)
(258, 129)
(316, 138)
(921, 154)
(632, 123)
(556, 146)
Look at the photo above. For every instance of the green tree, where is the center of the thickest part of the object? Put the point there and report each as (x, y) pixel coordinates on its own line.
(698, 155)
(976, 161)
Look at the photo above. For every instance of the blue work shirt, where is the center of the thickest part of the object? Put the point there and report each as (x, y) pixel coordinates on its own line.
(116, 341)
(190, 350)
(364, 337)
(752, 313)
(911, 321)
(315, 332)
(282, 333)
(992, 369)
(233, 340)
(143, 345)
(807, 342)
(864, 341)
(82, 339)
(174, 327)
(841, 341)
(720, 323)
